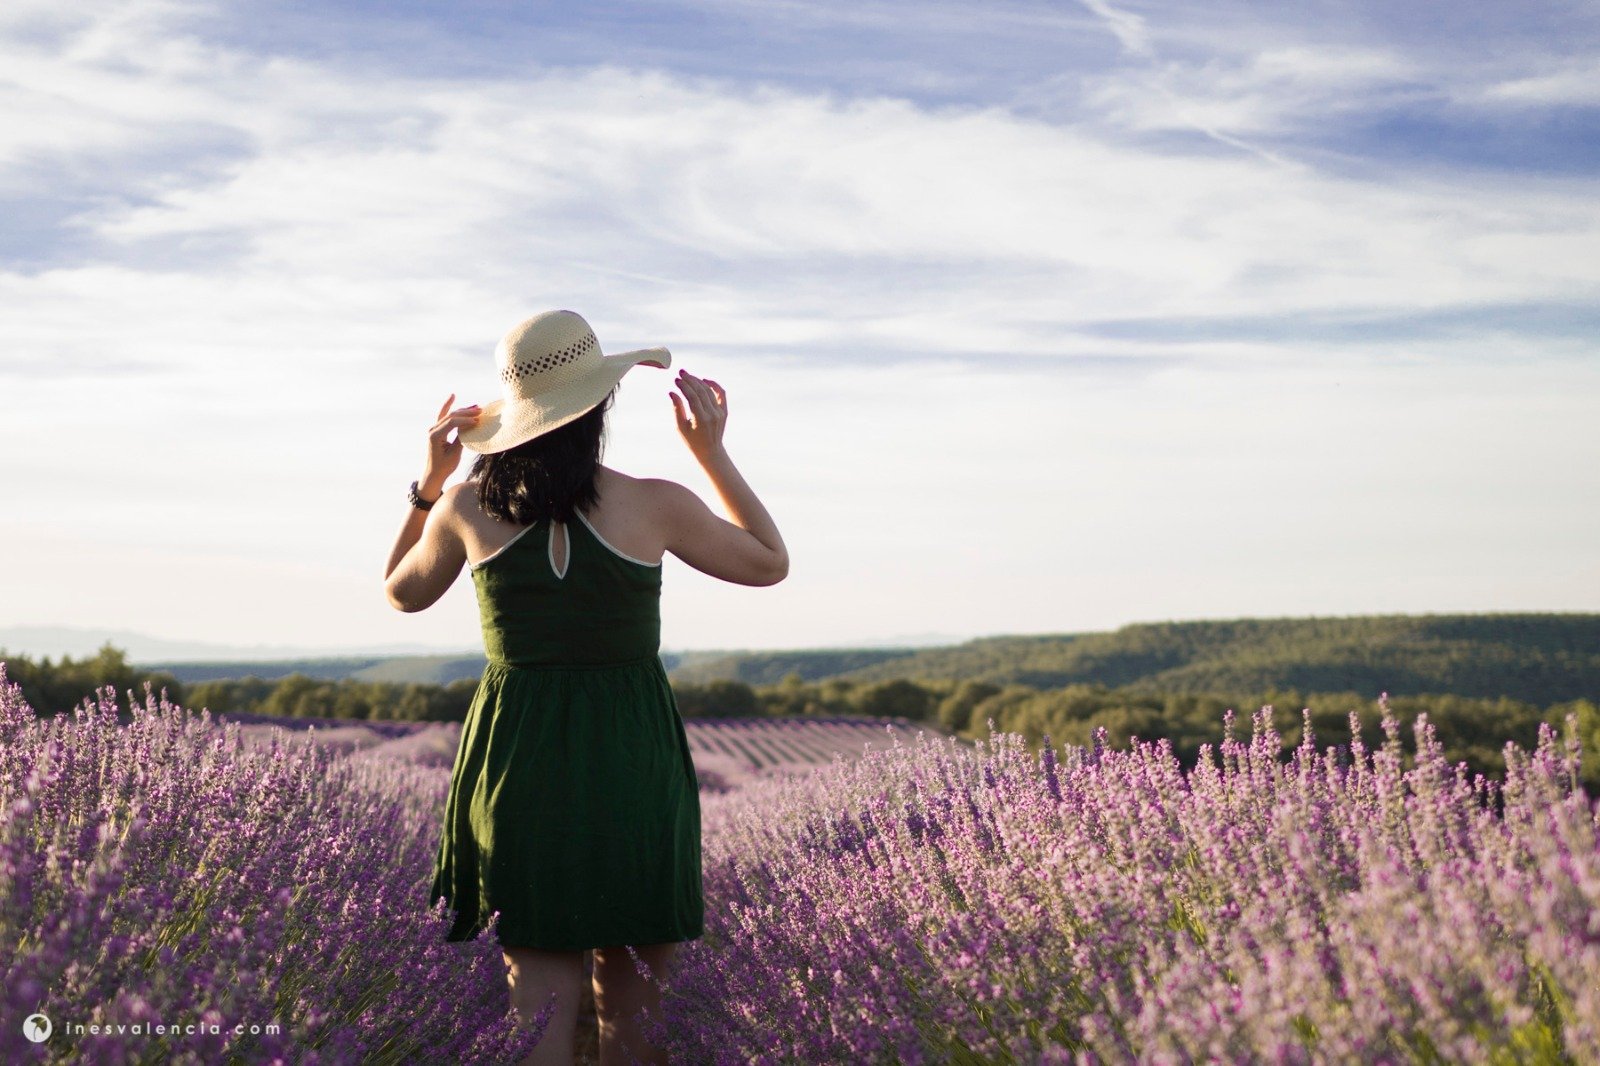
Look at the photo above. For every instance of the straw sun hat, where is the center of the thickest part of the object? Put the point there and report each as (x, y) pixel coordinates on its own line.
(551, 372)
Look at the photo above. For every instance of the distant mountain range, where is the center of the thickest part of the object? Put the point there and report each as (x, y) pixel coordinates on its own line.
(83, 641)
(431, 669)
(222, 660)
(1540, 658)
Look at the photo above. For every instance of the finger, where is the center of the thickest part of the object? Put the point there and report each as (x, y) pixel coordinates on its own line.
(679, 412)
(716, 390)
(696, 391)
(708, 400)
(444, 408)
(705, 408)
(456, 420)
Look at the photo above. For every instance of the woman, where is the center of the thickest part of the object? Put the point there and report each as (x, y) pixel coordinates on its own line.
(573, 808)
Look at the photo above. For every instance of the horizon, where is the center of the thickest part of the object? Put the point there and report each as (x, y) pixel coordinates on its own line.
(233, 653)
(1034, 318)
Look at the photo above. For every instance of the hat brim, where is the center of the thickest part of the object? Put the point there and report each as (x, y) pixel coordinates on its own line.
(506, 425)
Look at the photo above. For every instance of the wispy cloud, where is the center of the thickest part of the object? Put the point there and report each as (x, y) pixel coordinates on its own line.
(279, 251)
(339, 195)
(1270, 91)
(1128, 28)
(1578, 85)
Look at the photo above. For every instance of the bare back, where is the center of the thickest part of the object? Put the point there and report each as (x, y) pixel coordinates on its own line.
(628, 518)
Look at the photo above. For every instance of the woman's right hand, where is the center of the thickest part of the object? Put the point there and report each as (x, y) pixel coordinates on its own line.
(444, 453)
(702, 414)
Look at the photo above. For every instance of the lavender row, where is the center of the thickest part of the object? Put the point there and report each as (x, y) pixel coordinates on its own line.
(163, 871)
(730, 752)
(934, 903)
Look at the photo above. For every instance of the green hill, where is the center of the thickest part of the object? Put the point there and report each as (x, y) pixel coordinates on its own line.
(334, 669)
(770, 667)
(399, 669)
(424, 669)
(1541, 658)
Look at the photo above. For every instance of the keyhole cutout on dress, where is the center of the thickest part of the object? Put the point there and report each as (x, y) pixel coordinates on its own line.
(559, 559)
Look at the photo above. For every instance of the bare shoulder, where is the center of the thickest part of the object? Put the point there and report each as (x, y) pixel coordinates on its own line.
(665, 497)
(457, 498)
(649, 494)
(458, 506)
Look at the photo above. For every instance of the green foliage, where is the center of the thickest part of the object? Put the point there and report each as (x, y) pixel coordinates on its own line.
(56, 688)
(717, 699)
(769, 668)
(1538, 658)
(331, 669)
(897, 699)
(1473, 731)
(954, 712)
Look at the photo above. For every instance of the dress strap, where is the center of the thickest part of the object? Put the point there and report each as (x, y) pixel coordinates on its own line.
(595, 533)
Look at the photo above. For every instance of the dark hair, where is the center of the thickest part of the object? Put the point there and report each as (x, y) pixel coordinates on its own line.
(550, 476)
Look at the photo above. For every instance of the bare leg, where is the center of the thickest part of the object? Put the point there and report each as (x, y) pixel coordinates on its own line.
(534, 974)
(620, 993)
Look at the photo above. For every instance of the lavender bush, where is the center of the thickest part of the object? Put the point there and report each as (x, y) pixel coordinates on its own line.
(930, 902)
(164, 872)
(933, 903)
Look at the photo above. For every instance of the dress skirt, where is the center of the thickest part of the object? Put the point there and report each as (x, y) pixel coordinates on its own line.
(573, 810)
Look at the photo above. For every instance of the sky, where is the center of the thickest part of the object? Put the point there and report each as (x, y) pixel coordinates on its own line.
(1033, 317)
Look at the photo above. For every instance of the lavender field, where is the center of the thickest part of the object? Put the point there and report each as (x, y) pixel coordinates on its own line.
(874, 894)
(731, 753)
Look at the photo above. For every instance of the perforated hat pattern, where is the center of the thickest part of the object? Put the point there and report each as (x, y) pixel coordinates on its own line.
(526, 364)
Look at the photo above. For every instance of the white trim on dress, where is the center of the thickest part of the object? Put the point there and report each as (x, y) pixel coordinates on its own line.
(607, 544)
(492, 556)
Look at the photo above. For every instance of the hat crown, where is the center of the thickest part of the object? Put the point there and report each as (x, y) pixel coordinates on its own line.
(546, 352)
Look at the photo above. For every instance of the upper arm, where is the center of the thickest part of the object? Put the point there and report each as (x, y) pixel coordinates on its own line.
(431, 566)
(710, 543)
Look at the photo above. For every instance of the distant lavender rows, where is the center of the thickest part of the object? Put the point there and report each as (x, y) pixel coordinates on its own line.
(727, 752)
(927, 902)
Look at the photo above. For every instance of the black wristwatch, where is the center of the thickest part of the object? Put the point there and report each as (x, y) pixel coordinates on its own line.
(416, 500)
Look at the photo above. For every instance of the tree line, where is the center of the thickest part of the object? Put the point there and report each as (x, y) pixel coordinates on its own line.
(1473, 730)
(58, 687)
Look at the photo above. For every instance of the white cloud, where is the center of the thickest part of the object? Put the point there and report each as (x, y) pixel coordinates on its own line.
(1243, 94)
(773, 202)
(1578, 85)
(1128, 28)
(916, 279)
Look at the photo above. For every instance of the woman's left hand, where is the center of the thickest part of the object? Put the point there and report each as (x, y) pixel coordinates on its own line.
(444, 454)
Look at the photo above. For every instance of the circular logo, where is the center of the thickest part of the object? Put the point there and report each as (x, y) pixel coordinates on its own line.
(37, 1027)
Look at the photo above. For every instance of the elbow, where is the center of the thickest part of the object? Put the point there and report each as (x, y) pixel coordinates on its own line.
(776, 572)
(397, 601)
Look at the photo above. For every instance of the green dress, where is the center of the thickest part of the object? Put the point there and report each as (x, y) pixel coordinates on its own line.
(573, 807)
